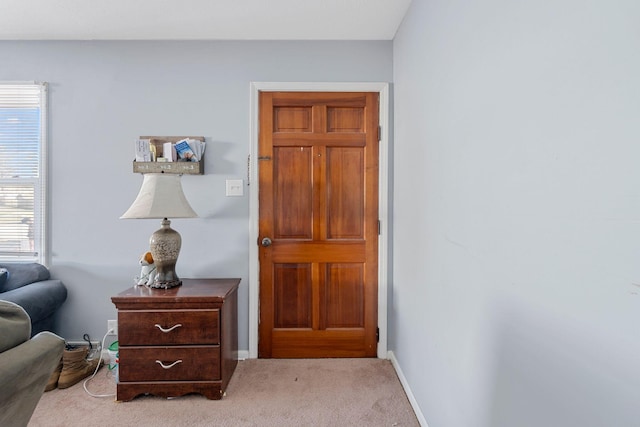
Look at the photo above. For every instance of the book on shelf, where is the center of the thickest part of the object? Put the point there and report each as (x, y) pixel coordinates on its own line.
(169, 152)
(189, 150)
(185, 153)
(143, 150)
(197, 147)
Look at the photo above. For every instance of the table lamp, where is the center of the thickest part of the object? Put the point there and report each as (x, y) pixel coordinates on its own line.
(161, 196)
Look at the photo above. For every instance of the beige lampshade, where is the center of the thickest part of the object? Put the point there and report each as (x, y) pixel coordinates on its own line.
(160, 196)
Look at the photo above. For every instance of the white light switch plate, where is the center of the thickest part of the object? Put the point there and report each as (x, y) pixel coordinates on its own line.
(235, 187)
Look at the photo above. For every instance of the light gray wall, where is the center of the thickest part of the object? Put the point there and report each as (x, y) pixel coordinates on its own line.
(103, 95)
(516, 286)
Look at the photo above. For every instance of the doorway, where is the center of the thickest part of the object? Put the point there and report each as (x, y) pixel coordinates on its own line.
(311, 319)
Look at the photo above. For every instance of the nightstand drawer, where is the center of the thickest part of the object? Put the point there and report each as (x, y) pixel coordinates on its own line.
(168, 327)
(197, 363)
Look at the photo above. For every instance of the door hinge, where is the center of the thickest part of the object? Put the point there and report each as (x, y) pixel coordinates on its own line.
(377, 334)
(379, 228)
(379, 133)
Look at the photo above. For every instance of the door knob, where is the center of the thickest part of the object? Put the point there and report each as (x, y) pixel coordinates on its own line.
(266, 242)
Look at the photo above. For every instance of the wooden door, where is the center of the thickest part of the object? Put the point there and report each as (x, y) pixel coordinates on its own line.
(318, 226)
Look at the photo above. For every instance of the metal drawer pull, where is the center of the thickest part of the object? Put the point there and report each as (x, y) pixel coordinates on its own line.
(167, 330)
(168, 366)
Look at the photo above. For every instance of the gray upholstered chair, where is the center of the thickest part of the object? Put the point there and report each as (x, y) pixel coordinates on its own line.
(30, 286)
(25, 364)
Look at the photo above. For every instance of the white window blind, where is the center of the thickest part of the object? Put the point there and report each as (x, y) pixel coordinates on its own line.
(22, 171)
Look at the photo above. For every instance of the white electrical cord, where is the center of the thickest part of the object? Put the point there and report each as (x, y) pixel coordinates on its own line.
(84, 384)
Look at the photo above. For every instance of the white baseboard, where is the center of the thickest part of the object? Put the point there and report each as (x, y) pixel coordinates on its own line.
(407, 390)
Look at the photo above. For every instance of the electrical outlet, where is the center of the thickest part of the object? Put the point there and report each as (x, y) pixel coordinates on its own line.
(112, 324)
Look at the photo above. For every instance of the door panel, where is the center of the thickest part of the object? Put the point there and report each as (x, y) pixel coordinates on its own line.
(345, 296)
(292, 295)
(292, 119)
(293, 197)
(318, 195)
(345, 193)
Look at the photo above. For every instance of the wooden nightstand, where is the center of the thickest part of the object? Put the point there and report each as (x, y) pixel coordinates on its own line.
(177, 341)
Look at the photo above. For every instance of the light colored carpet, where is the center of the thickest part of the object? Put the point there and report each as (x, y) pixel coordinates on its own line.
(264, 392)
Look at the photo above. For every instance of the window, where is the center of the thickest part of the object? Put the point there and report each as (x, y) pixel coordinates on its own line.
(22, 171)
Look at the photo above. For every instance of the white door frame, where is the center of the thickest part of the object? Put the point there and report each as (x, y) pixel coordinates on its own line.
(383, 199)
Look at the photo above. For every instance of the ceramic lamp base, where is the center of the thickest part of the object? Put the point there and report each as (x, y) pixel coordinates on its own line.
(164, 246)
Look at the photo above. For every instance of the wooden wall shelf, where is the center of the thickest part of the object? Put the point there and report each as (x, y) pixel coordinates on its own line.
(183, 168)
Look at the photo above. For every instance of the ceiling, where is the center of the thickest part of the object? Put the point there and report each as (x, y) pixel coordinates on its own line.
(200, 19)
